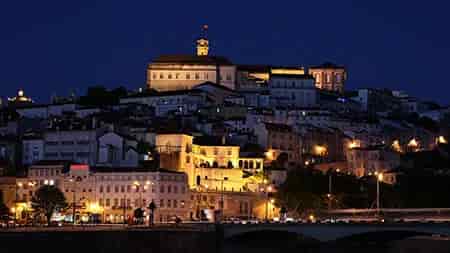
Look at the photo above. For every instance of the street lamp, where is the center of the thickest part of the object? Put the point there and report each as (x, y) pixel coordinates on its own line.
(330, 186)
(379, 179)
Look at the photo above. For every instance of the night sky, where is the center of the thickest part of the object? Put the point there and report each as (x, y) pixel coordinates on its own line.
(53, 47)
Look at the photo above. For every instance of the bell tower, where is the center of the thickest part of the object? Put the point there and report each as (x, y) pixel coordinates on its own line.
(203, 43)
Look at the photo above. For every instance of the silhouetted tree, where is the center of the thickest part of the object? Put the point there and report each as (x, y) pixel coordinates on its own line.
(139, 215)
(47, 200)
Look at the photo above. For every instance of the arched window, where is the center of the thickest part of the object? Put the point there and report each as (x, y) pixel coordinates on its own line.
(198, 180)
(215, 164)
(240, 163)
(251, 164)
(246, 165)
(230, 165)
(258, 165)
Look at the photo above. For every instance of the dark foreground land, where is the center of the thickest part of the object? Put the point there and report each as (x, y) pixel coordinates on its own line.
(205, 241)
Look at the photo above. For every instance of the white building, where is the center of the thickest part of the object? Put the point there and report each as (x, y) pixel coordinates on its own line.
(32, 149)
(292, 90)
(183, 72)
(369, 160)
(74, 145)
(117, 150)
(110, 193)
(179, 102)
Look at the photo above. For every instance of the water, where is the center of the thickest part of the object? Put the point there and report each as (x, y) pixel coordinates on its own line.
(287, 242)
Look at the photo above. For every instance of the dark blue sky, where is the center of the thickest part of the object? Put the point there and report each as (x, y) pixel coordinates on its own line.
(50, 47)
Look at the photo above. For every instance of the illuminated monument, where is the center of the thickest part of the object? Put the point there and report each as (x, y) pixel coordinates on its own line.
(20, 99)
(183, 72)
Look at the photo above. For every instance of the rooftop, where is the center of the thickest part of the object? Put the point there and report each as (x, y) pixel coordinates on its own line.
(193, 59)
(130, 169)
(152, 93)
(293, 76)
(210, 141)
(327, 65)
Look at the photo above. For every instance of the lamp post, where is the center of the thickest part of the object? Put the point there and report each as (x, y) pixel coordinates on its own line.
(330, 186)
(379, 179)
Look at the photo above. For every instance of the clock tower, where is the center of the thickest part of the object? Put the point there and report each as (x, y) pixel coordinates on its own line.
(203, 43)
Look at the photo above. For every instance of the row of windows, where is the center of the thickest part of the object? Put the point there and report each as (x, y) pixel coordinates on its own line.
(328, 77)
(55, 143)
(44, 172)
(179, 178)
(186, 76)
(120, 203)
(67, 154)
(292, 84)
(128, 188)
(243, 164)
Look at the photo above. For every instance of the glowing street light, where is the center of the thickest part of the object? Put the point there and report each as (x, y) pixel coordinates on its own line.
(379, 179)
(353, 145)
(396, 146)
(320, 150)
(413, 144)
(441, 140)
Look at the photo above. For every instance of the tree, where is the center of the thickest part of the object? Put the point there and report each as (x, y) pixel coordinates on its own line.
(152, 208)
(139, 215)
(47, 200)
(4, 212)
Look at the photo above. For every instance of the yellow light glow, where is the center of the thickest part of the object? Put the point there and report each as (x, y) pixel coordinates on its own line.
(272, 201)
(286, 71)
(320, 150)
(441, 140)
(380, 177)
(413, 143)
(269, 188)
(269, 155)
(396, 146)
(353, 145)
(311, 217)
(20, 184)
(13, 210)
(94, 207)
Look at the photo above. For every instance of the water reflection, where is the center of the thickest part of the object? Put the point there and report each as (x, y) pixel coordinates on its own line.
(271, 241)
